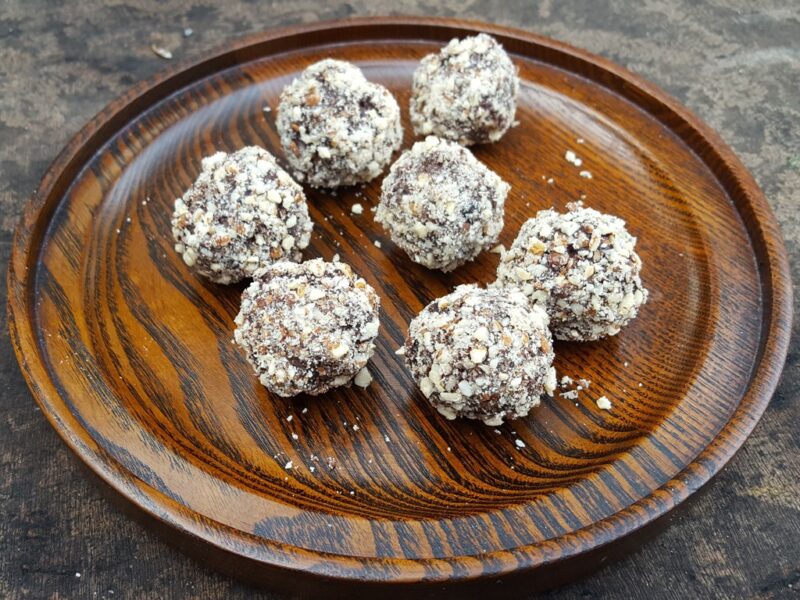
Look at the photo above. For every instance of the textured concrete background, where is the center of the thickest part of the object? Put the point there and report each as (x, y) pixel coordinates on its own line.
(736, 63)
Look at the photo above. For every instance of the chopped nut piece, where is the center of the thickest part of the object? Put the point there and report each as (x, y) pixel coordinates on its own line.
(288, 242)
(482, 335)
(340, 350)
(550, 381)
(315, 294)
(603, 403)
(363, 378)
(477, 355)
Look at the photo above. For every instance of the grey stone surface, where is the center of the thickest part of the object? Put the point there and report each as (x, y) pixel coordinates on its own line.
(736, 63)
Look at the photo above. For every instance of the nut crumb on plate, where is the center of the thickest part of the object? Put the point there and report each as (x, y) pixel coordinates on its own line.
(362, 379)
(572, 158)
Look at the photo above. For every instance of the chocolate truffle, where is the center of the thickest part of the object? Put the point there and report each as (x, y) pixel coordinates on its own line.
(482, 354)
(307, 327)
(581, 266)
(441, 205)
(467, 92)
(336, 127)
(242, 213)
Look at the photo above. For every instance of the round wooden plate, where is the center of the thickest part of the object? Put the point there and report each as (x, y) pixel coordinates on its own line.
(129, 353)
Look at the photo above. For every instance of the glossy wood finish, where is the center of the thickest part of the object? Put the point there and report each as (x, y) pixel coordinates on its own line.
(129, 353)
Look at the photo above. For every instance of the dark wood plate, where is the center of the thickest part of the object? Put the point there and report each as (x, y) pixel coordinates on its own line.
(130, 356)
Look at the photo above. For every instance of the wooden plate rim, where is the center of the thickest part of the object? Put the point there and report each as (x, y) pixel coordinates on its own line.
(761, 226)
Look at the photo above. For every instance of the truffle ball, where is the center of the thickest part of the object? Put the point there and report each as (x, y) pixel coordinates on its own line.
(441, 205)
(581, 266)
(482, 354)
(242, 213)
(467, 92)
(336, 127)
(307, 327)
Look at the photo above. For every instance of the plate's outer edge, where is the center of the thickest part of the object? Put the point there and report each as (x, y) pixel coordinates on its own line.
(263, 561)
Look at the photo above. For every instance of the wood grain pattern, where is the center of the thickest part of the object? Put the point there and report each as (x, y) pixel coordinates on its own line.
(129, 354)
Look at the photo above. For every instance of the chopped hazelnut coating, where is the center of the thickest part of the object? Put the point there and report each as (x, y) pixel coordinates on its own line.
(242, 213)
(308, 327)
(483, 354)
(336, 127)
(581, 266)
(442, 205)
(467, 92)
